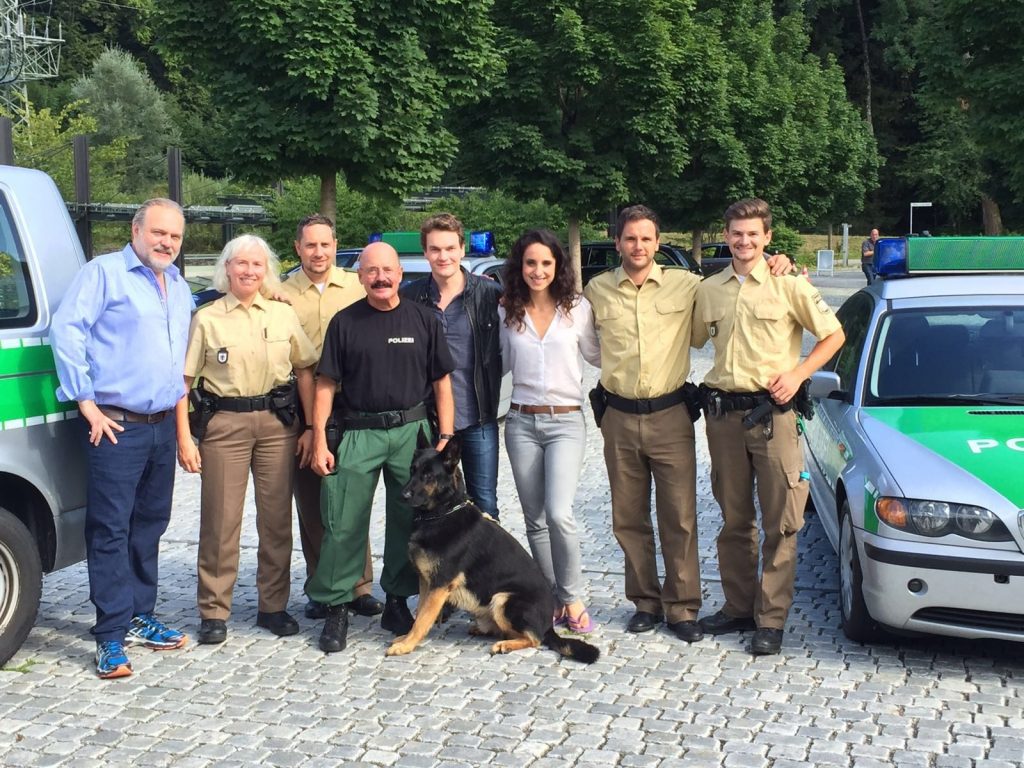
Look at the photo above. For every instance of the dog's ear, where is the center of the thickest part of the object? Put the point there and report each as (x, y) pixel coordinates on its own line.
(452, 453)
(423, 440)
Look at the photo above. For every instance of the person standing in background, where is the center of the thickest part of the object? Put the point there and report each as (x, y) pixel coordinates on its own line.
(318, 292)
(867, 256)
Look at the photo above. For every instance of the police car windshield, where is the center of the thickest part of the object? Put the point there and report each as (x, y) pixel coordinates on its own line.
(935, 356)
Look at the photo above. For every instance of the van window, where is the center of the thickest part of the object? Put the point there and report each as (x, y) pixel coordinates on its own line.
(17, 303)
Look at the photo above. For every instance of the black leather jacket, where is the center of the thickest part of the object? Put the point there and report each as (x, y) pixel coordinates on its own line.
(481, 299)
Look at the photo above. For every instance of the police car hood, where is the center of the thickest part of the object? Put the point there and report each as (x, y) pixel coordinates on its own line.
(956, 453)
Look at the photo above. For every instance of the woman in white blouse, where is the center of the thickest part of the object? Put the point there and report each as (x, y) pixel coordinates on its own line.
(547, 330)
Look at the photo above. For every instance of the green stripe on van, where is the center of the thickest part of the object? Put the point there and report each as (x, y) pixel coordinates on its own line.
(28, 383)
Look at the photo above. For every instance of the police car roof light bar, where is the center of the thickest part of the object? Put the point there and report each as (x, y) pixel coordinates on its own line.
(904, 256)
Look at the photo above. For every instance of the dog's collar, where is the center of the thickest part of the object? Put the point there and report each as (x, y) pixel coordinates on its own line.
(452, 511)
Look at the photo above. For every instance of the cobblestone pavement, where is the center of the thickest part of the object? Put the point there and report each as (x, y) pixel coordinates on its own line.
(650, 701)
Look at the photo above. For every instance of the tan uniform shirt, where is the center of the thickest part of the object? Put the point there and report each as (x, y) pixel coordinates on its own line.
(757, 326)
(315, 309)
(243, 352)
(644, 330)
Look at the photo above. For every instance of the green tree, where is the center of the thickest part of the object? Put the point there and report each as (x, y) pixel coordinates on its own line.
(776, 123)
(506, 217)
(592, 99)
(971, 61)
(89, 27)
(317, 87)
(44, 141)
(124, 103)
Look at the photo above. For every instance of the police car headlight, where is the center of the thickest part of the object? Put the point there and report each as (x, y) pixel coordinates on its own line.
(974, 521)
(931, 518)
(939, 518)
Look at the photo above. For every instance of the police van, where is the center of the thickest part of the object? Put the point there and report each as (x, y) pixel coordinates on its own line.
(42, 464)
(917, 444)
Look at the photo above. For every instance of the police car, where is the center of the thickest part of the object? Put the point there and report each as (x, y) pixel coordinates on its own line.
(916, 450)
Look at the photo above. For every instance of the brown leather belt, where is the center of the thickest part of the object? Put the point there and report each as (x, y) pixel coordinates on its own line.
(120, 414)
(551, 410)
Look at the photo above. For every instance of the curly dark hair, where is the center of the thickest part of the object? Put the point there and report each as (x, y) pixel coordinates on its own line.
(517, 293)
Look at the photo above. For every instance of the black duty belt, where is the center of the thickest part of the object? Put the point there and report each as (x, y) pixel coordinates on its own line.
(720, 402)
(651, 405)
(384, 419)
(120, 414)
(244, 404)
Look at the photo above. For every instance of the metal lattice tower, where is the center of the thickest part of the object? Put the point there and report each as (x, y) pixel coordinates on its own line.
(25, 54)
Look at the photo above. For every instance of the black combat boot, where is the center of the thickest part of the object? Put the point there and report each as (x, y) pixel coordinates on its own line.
(335, 631)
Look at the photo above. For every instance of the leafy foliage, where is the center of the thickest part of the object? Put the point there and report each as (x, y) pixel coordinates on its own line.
(45, 142)
(125, 105)
(587, 102)
(311, 87)
(776, 123)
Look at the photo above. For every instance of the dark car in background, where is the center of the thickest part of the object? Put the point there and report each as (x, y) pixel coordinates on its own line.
(599, 256)
(714, 257)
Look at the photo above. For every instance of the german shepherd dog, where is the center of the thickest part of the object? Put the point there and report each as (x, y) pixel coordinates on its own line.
(467, 560)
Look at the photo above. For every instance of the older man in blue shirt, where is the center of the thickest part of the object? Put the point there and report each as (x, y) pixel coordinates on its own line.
(119, 342)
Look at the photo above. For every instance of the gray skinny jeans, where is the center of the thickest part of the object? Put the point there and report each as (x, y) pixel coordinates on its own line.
(546, 453)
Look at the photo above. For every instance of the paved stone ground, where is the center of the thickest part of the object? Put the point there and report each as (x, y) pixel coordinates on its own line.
(650, 701)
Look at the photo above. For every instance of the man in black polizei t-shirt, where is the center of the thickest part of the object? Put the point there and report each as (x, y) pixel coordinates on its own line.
(388, 355)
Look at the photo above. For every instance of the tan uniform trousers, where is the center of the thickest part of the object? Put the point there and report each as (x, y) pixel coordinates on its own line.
(738, 457)
(638, 448)
(234, 445)
(311, 526)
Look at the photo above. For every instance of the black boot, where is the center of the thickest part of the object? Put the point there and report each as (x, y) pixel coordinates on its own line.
(334, 635)
(396, 617)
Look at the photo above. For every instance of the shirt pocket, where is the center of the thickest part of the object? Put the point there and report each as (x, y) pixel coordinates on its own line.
(772, 329)
(672, 304)
(279, 350)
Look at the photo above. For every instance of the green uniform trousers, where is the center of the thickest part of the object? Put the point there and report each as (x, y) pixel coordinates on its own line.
(345, 503)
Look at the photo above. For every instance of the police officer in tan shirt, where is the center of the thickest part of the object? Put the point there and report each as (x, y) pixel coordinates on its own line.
(243, 349)
(756, 323)
(317, 292)
(643, 314)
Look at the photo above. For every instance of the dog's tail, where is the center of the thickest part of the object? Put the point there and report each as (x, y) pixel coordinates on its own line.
(571, 648)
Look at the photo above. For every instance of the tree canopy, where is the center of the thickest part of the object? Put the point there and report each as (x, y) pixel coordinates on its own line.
(125, 104)
(588, 102)
(775, 122)
(322, 86)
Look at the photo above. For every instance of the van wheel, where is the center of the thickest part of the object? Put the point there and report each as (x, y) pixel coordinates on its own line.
(21, 583)
(857, 622)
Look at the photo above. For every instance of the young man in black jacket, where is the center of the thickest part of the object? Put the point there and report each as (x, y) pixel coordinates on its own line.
(467, 306)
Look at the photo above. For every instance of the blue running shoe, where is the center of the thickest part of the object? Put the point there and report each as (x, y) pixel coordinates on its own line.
(111, 660)
(149, 631)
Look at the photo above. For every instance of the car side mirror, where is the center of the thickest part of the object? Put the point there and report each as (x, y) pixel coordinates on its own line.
(825, 386)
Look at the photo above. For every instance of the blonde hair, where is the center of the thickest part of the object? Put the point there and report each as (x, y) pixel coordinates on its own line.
(271, 282)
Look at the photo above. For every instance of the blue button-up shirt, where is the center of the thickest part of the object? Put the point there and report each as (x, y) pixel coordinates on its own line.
(118, 340)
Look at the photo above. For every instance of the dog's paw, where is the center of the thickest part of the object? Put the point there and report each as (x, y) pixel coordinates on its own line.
(499, 647)
(399, 648)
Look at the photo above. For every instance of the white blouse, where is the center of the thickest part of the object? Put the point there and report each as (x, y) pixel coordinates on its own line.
(549, 370)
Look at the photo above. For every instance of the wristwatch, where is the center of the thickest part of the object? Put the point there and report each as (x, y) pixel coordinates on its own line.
(445, 436)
